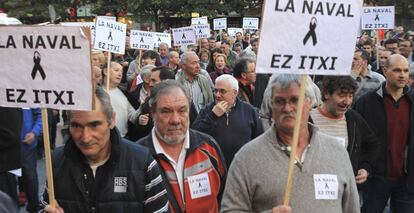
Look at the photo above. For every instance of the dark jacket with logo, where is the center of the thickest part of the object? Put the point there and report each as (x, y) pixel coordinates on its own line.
(363, 145)
(129, 181)
(372, 107)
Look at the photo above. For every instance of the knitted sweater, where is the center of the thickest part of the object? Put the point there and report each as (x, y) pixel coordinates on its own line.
(257, 177)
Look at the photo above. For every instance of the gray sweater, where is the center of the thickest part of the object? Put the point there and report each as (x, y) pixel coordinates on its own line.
(257, 177)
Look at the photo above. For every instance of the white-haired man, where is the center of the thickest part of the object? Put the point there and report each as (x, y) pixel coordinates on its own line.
(229, 120)
(323, 181)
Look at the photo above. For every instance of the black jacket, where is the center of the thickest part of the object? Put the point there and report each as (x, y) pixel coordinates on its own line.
(363, 145)
(372, 107)
(10, 127)
(77, 190)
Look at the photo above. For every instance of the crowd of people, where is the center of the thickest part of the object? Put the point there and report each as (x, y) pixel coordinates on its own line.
(196, 129)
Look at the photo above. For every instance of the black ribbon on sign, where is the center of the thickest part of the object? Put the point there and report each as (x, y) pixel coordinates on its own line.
(37, 67)
(312, 27)
(376, 18)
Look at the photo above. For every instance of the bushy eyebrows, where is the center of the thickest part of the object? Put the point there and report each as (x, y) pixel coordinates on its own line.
(91, 123)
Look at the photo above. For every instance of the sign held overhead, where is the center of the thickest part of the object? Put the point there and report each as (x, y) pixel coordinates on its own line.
(378, 18)
(303, 44)
(184, 36)
(110, 36)
(220, 24)
(162, 38)
(199, 21)
(250, 23)
(51, 61)
(143, 40)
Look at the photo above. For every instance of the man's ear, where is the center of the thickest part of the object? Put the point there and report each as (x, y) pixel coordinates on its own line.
(112, 121)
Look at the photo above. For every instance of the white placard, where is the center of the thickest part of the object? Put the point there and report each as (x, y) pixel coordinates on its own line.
(202, 31)
(45, 67)
(309, 40)
(110, 36)
(250, 23)
(111, 18)
(143, 40)
(233, 31)
(162, 38)
(326, 186)
(184, 36)
(199, 20)
(378, 18)
(199, 185)
(220, 23)
(90, 25)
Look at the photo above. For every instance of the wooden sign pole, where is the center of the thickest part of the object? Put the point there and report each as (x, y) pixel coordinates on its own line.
(48, 159)
(108, 71)
(294, 145)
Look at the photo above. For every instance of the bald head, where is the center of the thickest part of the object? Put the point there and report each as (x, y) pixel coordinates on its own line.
(396, 59)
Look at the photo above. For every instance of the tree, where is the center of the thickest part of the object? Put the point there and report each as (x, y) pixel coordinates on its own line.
(34, 11)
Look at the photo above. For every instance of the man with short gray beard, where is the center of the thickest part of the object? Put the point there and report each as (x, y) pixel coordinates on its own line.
(191, 161)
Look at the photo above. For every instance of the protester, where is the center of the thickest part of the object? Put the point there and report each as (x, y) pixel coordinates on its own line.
(190, 77)
(231, 55)
(120, 100)
(173, 61)
(230, 121)
(213, 54)
(163, 51)
(191, 161)
(392, 45)
(257, 176)
(10, 129)
(336, 118)
(31, 130)
(383, 57)
(366, 80)
(204, 55)
(389, 112)
(220, 67)
(245, 73)
(406, 49)
(99, 171)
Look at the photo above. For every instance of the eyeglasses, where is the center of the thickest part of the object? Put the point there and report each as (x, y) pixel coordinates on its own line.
(221, 91)
(281, 102)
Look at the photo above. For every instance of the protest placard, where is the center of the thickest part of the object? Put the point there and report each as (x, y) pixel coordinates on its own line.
(233, 31)
(184, 36)
(378, 18)
(143, 40)
(220, 24)
(250, 23)
(54, 68)
(90, 25)
(306, 41)
(162, 38)
(199, 20)
(110, 36)
(202, 31)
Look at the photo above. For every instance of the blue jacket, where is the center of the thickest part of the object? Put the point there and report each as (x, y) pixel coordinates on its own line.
(32, 122)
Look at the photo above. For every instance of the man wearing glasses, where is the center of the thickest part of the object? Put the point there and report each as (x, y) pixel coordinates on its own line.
(230, 121)
(323, 180)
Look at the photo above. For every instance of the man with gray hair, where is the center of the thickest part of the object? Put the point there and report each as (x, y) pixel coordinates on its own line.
(192, 77)
(99, 171)
(163, 51)
(229, 120)
(191, 161)
(323, 178)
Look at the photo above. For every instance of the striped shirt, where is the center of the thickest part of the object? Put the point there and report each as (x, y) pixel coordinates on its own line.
(332, 126)
(156, 198)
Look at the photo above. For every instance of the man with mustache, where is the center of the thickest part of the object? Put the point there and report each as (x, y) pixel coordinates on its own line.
(389, 111)
(191, 162)
(323, 179)
(334, 117)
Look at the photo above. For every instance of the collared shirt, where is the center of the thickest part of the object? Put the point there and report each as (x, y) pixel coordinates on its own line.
(179, 165)
(195, 92)
(367, 83)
